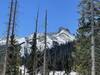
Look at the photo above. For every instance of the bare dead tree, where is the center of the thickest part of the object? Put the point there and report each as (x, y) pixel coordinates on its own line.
(7, 38)
(45, 42)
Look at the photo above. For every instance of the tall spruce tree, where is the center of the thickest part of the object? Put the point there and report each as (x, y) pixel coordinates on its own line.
(33, 55)
(83, 43)
(13, 52)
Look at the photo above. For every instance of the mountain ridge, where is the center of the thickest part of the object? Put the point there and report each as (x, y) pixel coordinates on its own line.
(61, 37)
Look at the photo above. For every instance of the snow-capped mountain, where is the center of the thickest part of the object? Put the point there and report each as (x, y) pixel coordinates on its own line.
(60, 37)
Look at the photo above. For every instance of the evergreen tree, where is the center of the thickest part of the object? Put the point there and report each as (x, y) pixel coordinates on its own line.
(60, 57)
(83, 43)
(13, 61)
(33, 54)
(13, 50)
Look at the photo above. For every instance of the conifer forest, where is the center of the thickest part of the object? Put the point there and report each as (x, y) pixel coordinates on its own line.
(51, 53)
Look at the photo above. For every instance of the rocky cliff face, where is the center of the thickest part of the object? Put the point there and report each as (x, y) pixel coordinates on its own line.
(60, 37)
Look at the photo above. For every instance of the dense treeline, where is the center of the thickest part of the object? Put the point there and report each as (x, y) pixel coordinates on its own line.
(59, 58)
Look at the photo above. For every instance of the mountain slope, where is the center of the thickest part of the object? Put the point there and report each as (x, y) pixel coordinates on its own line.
(60, 37)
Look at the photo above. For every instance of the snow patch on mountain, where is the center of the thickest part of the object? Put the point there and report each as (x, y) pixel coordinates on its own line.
(61, 37)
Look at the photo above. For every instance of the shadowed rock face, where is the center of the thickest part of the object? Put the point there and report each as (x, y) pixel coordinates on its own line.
(2, 52)
(62, 36)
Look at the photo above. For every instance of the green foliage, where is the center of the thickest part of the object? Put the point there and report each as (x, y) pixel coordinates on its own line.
(59, 58)
(83, 43)
(13, 60)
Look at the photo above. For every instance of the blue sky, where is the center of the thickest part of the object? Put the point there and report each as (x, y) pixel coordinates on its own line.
(60, 13)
